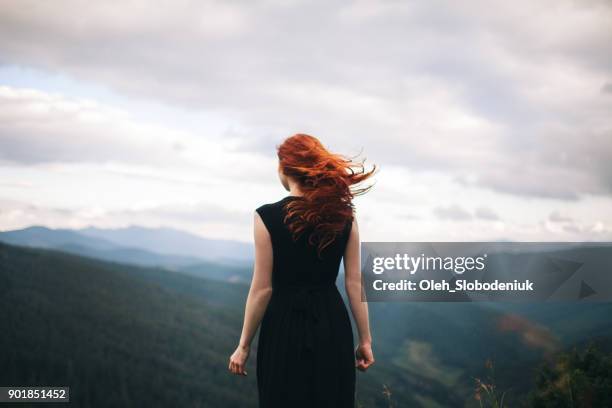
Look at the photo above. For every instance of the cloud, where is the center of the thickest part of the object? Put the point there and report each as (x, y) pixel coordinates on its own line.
(409, 217)
(597, 230)
(198, 217)
(486, 213)
(41, 128)
(453, 212)
(556, 216)
(505, 97)
(38, 127)
(577, 230)
(456, 212)
(572, 229)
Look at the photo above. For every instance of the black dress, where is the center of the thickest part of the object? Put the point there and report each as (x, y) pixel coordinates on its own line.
(305, 351)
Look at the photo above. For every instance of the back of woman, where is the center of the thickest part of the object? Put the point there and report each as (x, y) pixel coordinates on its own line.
(305, 350)
(297, 262)
(305, 354)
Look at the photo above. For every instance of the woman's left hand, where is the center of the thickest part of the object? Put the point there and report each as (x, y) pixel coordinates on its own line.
(238, 360)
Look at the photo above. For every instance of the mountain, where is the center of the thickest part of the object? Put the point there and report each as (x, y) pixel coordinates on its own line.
(79, 244)
(220, 271)
(118, 335)
(122, 335)
(175, 242)
(43, 237)
(146, 250)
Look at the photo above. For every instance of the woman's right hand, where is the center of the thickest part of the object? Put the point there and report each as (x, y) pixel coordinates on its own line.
(364, 357)
(238, 360)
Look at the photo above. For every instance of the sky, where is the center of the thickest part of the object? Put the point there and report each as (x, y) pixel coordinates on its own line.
(487, 121)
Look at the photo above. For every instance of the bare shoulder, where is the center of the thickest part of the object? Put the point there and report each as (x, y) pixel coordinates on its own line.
(353, 234)
(261, 229)
(354, 227)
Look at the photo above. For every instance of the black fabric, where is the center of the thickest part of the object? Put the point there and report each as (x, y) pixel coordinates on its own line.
(305, 350)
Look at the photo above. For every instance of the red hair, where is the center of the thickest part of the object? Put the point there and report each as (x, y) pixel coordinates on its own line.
(326, 180)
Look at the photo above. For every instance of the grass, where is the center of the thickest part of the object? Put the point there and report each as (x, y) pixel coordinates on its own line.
(487, 392)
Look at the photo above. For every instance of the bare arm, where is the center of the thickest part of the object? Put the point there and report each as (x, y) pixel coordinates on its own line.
(352, 272)
(258, 298)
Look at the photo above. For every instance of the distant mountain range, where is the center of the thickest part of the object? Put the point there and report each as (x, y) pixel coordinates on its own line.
(169, 241)
(161, 247)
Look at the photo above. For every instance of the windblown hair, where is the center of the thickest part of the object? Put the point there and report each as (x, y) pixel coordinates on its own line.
(327, 181)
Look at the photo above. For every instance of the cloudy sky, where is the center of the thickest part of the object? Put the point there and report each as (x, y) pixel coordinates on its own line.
(487, 121)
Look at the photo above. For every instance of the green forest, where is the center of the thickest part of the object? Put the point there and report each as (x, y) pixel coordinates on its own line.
(132, 336)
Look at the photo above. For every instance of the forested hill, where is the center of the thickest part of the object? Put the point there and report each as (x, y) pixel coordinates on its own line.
(118, 335)
(128, 336)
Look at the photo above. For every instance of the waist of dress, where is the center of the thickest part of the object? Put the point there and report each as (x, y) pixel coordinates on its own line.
(304, 286)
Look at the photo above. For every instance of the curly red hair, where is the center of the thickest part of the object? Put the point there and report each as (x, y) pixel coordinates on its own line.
(327, 181)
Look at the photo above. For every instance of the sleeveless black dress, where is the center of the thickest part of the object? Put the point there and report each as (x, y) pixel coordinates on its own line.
(305, 350)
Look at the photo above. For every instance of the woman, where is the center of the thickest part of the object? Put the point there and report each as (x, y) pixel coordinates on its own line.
(305, 350)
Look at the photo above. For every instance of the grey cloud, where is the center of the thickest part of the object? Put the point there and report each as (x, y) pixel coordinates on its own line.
(41, 128)
(36, 127)
(486, 213)
(452, 212)
(192, 214)
(572, 229)
(556, 216)
(455, 212)
(185, 216)
(400, 79)
(607, 88)
(409, 217)
(33, 213)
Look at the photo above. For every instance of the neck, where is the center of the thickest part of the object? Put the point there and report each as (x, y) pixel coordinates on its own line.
(294, 190)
